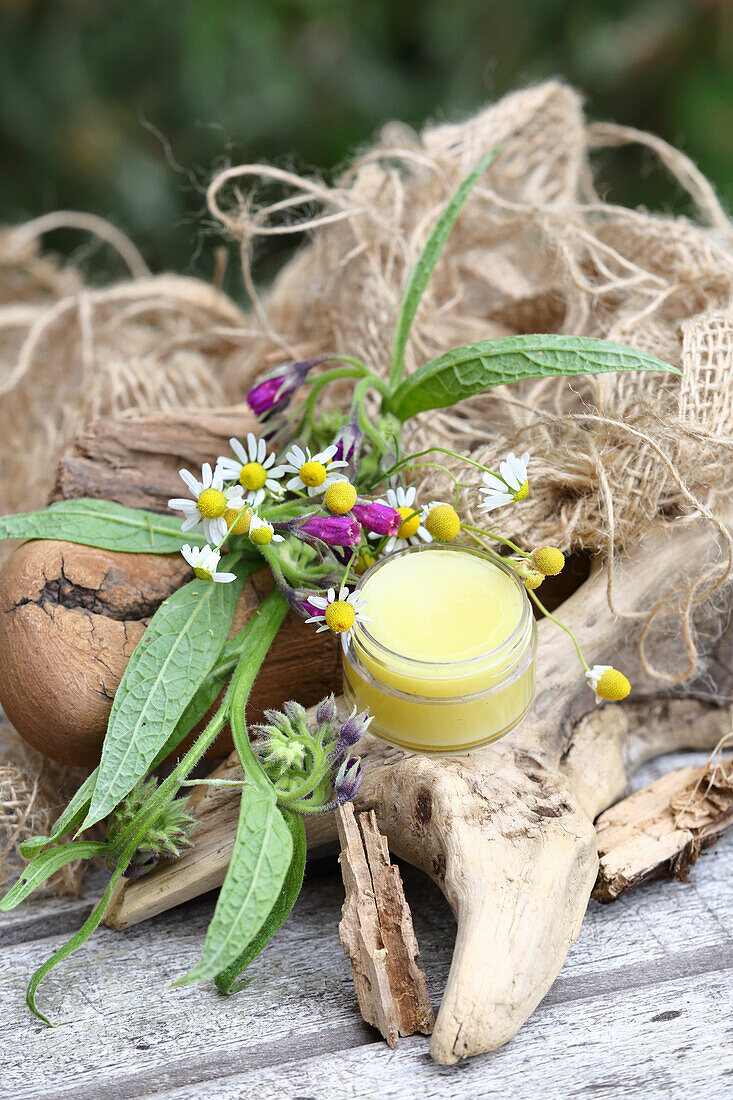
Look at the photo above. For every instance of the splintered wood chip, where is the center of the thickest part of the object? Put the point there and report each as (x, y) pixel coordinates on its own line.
(377, 933)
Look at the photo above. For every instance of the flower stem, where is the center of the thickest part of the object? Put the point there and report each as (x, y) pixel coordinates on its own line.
(556, 621)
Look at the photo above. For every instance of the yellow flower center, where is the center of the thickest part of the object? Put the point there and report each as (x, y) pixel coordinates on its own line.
(253, 476)
(443, 522)
(313, 474)
(613, 685)
(261, 536)
(410, 522)
(212, 503)
(340, 616)
(340, 497)
(238, 526)
(549, 560)
(202, 574)
(522, 492)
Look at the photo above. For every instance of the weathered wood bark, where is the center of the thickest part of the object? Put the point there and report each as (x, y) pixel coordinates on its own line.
(377, 933)
(660, 830)
(507, 832)
(135, 461)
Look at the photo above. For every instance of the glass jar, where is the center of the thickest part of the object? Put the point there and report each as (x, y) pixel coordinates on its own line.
(443, 690)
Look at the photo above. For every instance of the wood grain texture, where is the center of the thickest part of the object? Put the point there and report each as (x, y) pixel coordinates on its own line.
(660, 830)
(377, 932)
(644, 998)
(135, 460)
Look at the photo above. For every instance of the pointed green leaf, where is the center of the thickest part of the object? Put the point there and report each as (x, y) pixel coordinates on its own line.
(469, 370)
(101, 523)
(167, 668)
(279, 913)
(426, 261)
(262, 854)
(44, 865)
(70, 817)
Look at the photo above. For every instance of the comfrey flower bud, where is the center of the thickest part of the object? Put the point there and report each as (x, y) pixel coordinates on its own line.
(326, 711)
(348, 440)
(376, 516)
(275, 391)
(333, 530)
(348, 780)
(353, 729)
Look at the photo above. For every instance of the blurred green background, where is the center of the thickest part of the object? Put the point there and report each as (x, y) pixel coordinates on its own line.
(125, 107)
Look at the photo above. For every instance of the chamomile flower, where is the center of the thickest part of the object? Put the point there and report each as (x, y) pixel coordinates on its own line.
(312, 472)
(411, 530)
(204, 561)
(608, 683)
(209, 504)
(441, 520)
(337, 613)
(262, 533)
(511, 486)
(253, 468)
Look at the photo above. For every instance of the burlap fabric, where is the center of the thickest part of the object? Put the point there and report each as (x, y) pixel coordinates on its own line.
(535, 249)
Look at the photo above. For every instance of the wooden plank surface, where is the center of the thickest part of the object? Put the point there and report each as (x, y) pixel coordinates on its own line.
(642, 1007)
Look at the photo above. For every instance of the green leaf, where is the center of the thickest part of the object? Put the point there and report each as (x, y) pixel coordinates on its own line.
(44, 865)
(469, 370)
(101, 523)
(426, 261)
(166, 669)
(70, 817)
(279, 913)
(263, 850)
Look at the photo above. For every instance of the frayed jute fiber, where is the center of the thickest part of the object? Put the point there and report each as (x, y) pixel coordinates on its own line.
(534, 250)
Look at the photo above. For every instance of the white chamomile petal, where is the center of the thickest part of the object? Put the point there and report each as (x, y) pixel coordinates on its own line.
(223, 578)
(509, 476)
(492, 482)
(191, 483)
(239, 451)
(594, 674)
(424, 534)
(497, 501)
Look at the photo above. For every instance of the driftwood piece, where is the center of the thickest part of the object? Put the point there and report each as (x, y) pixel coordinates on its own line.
(660, 830)
(507, 832)
(136, 460)
(377, 933)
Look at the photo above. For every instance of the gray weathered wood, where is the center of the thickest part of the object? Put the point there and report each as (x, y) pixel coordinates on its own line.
(641, 1009)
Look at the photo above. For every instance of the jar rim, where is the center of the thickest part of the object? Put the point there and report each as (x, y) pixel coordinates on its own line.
(361, 632)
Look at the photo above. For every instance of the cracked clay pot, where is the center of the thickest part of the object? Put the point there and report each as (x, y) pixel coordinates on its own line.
(70, 617)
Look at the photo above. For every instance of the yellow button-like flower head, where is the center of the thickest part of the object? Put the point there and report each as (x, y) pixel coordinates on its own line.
(340, 497)
(549, 560)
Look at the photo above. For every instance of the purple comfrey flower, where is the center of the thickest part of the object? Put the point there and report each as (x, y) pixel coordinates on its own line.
(333, 530)
(348, 780)
(353, 729)
(377, 516)
(275, 391)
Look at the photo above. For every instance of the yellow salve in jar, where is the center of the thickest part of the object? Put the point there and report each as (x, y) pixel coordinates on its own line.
(447, 662)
